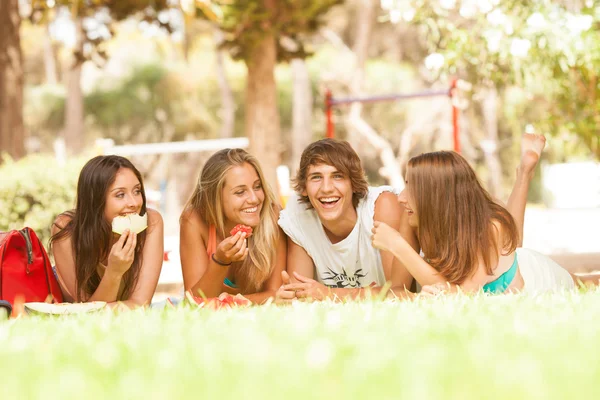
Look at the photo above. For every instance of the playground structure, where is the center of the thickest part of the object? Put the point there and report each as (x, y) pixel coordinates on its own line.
(331, 102)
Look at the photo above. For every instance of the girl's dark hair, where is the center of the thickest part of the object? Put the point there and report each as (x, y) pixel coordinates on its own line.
(90, 233)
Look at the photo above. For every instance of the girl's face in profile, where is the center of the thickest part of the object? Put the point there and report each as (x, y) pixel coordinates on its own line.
(124, 196)
(406, 200)
(243, 196)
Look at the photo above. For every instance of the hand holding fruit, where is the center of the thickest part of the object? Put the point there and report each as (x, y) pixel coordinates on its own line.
(241, 228)
(232, 249)
(122, 253)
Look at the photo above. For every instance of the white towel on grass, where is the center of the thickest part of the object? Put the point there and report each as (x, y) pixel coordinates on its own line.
(540, 273)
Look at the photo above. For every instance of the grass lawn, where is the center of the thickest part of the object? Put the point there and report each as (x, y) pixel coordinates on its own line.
(455, 347)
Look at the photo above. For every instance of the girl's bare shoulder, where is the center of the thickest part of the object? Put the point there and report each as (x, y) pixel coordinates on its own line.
(191, 220)
(60, 222)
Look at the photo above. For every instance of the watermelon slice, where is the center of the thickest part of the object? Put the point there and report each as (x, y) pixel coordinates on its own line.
(241, 228)
(63, 308)
(225, 300)
(134, 222)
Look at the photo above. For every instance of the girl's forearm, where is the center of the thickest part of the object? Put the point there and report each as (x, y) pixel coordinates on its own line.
(211, 283)
(424, 273)
(108, 289)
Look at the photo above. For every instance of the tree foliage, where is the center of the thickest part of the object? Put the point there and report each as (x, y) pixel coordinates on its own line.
(246, 21)
(105, 13)
(550, 51)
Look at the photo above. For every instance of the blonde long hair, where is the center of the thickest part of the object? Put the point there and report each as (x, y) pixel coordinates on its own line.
(207, 201)
(456, 216)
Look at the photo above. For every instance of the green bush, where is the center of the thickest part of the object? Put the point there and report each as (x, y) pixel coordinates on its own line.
(34, 190)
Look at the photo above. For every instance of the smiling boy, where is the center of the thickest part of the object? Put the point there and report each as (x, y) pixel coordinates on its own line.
(328, 223)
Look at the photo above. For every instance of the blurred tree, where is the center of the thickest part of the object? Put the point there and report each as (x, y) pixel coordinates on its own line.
(50, 67)
(548, 48)
(89, 46)
(367, 11)
(302, 109)
(12, 133)
(227, 111)
(261, 33)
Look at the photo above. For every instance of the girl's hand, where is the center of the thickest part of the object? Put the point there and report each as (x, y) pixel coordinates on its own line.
(384, 237)
(437, 289)
(284, 296)
(122, 253)
(307, 288)
(232, 249)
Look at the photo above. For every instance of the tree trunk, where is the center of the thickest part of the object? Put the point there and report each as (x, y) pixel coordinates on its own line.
(390, 169)
(12, 131)
(366, 18)
(489, 146)
(301, 112)
(73, 131)
(262, 116)
(227, 112)
(49, 59)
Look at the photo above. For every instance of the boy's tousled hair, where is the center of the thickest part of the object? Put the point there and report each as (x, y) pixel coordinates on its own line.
(339, 154)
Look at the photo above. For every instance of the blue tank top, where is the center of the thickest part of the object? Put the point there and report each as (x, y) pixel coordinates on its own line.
(503, 282)
(228, 282)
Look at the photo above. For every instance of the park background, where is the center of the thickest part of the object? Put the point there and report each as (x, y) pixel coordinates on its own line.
(82, 77)
(86, 77)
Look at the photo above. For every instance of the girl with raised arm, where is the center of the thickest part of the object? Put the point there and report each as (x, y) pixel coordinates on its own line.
(467, 238)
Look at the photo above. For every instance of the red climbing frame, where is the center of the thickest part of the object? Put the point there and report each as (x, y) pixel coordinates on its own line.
(331, 102)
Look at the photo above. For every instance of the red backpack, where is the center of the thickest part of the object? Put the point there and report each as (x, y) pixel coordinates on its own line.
(25, 269)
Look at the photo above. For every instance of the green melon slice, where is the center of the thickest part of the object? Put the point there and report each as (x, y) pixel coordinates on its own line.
(63, 308)
(133, 222)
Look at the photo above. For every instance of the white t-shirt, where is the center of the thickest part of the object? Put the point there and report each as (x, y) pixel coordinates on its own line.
(351, 263)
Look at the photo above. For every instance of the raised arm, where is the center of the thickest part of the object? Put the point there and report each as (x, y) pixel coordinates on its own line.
(531, 149)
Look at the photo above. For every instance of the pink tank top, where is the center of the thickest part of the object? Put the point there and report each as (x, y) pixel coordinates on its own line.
(211, 246)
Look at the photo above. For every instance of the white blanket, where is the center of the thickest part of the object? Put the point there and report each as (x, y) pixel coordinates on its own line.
(540, 273)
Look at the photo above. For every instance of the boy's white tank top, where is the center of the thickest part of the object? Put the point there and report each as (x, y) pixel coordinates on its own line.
(351, 263)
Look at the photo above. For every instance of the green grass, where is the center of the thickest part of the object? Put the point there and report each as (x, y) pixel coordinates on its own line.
(456, 347)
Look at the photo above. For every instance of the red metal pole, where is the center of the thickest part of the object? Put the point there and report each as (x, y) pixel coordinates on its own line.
(455, 113)
(329, 115)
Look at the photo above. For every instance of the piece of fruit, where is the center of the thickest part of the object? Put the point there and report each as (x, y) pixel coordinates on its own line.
(63, 308)
(134, 222)
(225, 300)
(241, 228)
